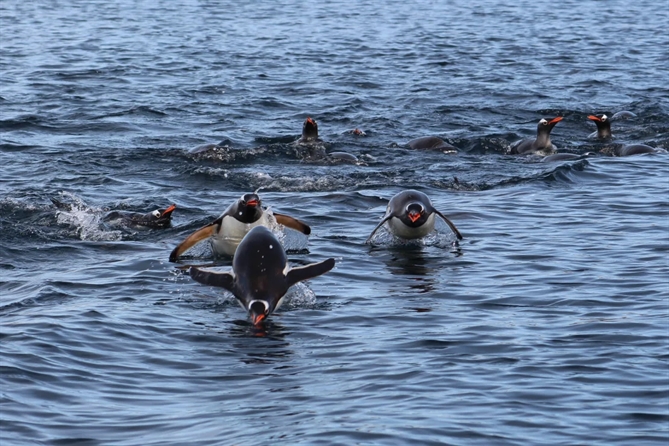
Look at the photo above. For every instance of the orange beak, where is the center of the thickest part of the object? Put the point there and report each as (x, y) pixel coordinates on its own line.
(257, 318)
(594, 118)
(309, 120)
(555, 120)
(413, 216)
(252, 203)
(169, 209)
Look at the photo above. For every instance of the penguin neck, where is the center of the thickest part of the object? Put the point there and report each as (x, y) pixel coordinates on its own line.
(604, 131)
(543, 140)
(249, 215)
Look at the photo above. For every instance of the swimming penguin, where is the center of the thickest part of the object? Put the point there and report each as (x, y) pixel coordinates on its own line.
(603, 127)
(565, 157)
(410, 215)
(636, 149)
(229, 229)
(260, 275)
(542, 144)
(604, 132)
(430, 143)
(160, 218)
(309, 132)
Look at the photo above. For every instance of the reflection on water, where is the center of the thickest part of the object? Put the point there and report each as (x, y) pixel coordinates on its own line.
(260, 344)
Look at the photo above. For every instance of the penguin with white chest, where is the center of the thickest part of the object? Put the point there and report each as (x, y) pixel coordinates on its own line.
(260, 275)
(227, 231)
(410, 215)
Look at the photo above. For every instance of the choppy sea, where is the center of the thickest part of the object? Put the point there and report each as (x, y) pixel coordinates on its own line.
(547, 324)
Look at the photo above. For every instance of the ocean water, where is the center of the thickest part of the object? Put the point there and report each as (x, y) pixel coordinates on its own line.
(547, 324)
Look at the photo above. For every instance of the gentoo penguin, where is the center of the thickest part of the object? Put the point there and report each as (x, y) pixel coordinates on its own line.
(636, 149)
(604, 132)
(260, 275)
(309, 131)
(430, 143)
(565, 157)
(160, 218)
(541, 144)
(603, 127)
(410, 215)
(229, 229)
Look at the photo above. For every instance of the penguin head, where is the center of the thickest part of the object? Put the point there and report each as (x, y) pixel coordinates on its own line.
(259, 309)
(160, 217)
(249, 208)
(415, 215)
(309, 129)
(603, 125)
(546, 125)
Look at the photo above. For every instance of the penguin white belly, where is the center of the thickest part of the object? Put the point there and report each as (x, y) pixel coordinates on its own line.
(232, 231)
(401, 230)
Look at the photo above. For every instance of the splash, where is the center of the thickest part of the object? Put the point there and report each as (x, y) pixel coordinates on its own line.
(84, 219)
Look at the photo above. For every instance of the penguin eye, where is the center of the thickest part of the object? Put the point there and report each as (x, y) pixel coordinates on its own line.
(543, 121)
(156, 213)
(604, 118)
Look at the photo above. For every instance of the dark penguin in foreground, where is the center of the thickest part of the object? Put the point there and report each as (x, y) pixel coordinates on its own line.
(160, 218)
(410, 215)
(227, 231)
(430, 143)
(541, 144)
(260, 275)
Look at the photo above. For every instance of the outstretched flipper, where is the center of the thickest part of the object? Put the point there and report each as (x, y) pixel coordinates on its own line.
(219, 279)
(292, 223)
(450, 224)
(301, 273)
(385, 219)
(193, 239)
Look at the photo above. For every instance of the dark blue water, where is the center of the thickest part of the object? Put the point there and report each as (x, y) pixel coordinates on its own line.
(548, 324)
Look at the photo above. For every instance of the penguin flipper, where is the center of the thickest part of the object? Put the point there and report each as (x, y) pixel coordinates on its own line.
(292, 223)
(193, 239)
(223, 280)
(450, 224)
(385, 219)
(301, 273)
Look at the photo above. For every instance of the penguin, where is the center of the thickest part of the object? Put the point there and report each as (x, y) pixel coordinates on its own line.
(430, 143)
(160, 218)
(565, 157)
(542, 144)
(604, 132)
(603, 127)
(260, 275)
(229, 229)
(636, 149)
(309, 131)
(410, 215)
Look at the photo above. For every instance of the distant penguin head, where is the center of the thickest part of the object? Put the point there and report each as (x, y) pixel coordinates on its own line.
(309, 129)
(414, 215)
(548, 124)
(258, 310)
(603, 125)
(161, 217)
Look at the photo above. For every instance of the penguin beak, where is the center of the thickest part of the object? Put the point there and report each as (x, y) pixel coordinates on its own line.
(594, 118)
(555, 120)
(258, 318)
(309, 120)
(413, 216)
(252, 203)
(168, 211)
